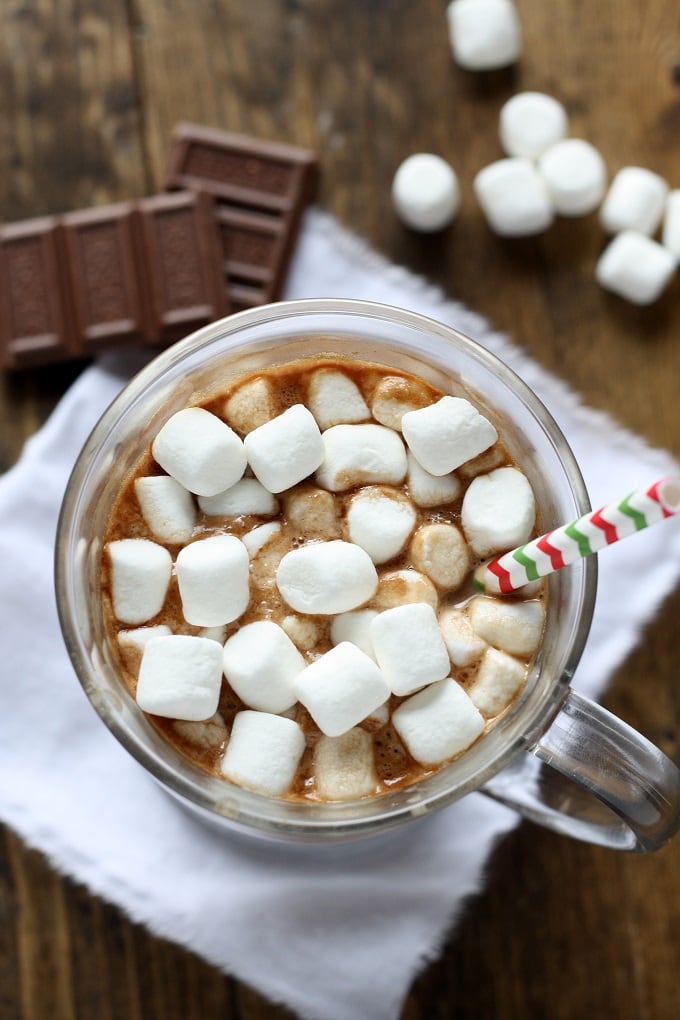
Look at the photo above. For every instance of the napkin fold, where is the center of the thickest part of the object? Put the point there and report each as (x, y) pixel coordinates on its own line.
(370, 914)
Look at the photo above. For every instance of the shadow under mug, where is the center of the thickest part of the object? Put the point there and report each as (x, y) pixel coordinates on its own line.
(556, 757)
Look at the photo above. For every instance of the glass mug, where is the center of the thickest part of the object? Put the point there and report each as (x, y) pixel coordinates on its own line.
(556, 757)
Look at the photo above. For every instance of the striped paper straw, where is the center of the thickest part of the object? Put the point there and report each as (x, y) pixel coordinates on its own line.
(583, 537)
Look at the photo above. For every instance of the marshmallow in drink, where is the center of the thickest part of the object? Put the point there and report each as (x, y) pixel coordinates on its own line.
(354, 627)
(394, 396)
(635, 267)
(576, 176)
(140, 575)
(427, 490)
(200, 451)
(180, 677)
(530, 122)
(133, 642)
(484, 34)
(247, 496)
(334, 398)
(463, 644)
(260, 663)
(440, 551)
(326, 577)
(167, 507)
(514, 197)
(302, 631)
(344, 767)
(498, 511)
(213, 580)
(409, 647)
(286, 449)
(513, 627)
(404, 587)
(438, 723)
(425, 192)
(312, 512)
(250, 406)
(670, 234)
(635, 201)
(263, 752)
(341, 688)
(499, 678)
(446, 434)
(260, 536)
(380, 520)
(361, 455)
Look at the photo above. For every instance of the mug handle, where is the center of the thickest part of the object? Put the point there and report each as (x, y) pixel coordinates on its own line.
(593, 777)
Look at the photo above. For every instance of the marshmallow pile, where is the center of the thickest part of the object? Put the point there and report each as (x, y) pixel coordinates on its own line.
(308, 564)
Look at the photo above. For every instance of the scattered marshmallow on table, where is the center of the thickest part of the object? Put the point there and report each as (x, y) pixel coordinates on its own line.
(513, 627)
(140, 575)
(440, 551)
(380, 520)
(438, 722)
(498, 511)
(484, 34)
(200, 450)
(404, 587)
(344, 766)
(576, 176)
(341, 688)
(444, 435)
(514, 197)
(463, 644)
(247, 496)
(635, 267)
(530, 122)
(427, 490)
(334, 398)
(286, 449)
(355, 627)
(263, 752)
(425, 192)
(213, 579)
(260, 663)
(394, 396)
(258, 538)
(498, 680)
(326, 577)
(409, 647)
(361, 455)
(670, 236)
(180, 677)
(167, 507)
(635, 201)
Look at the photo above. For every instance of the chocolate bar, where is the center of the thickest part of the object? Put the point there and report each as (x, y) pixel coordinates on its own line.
(261, 189)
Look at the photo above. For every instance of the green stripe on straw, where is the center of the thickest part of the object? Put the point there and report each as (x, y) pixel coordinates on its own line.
(578, 537)
(638, 518)
(528, 564)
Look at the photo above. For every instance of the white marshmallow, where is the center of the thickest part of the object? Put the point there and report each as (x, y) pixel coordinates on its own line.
(250, 406)
(441, 552)
(218, 634)
(427, 490)
(140, 575)
(341, 688)
(212, 575)
(513, 627)
(670, 236)
(444, 435)
(498, 511)
(354, 627)
(463, 644)
(200, 451)
(133, 642)
(635, 267)
(261, 662)
(514, 197)
(498, 680)
(180, 677)
(376, 720)
(302, 631)
(481, 465)
(576, 176)
(312, 512)
(530, 122)
(484, 34)
(248, 496)
(404, 587)
(438, 723)
(409, 647)
(334, 398)
(425, 192)
(258, 538)
(263, 752)
(167, 507)
(209, 734)
(635, 201)
(286, 449)
(326, 577)
(344, 767)
(394, 396)
(361, 455)
(380, 520)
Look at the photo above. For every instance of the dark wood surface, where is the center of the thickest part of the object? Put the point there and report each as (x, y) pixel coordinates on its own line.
(89, 91)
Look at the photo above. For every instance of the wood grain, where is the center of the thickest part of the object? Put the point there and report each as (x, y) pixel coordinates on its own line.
(89, 92)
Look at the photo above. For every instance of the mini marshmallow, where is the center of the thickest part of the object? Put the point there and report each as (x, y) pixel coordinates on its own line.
(250, 406)
(380, 520)
(530, 122)
(286, 449)
(635, 201)
(341, 688)
(513, 627)
(576, 176)
(210, 734)
(514, 197)
(404, 587)
(302, 631)
(498, 511)
(361, 455)
(481, 465)
(212, 575)
(409, 647)
(427, 490)
(334, 398)
(376, 720)
(258, 538)
(484, 34)
(670, 236)
(498, 680)
(218, 634)
(394, 396)
(167, 507)
(463, 644)
(635, 267)
(260, 663)
(354, 627)
(180, 677)
(343, 766)
(326, 577)
(444, 435)
(140, 575)
(248, 496)
(263, 752)
(199, 450)
(438, 723)
(441, 552)
(425, 192)
(133, 642)
(312, 512)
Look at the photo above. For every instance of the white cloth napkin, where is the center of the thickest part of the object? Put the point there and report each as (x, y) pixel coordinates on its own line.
(370, 917)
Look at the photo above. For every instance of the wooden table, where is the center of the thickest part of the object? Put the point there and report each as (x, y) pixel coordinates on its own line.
(90, 91)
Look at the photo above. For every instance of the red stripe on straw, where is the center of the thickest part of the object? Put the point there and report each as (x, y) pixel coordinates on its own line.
(556, 557)
(653, 493)
(503, 576)
(610, 532)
